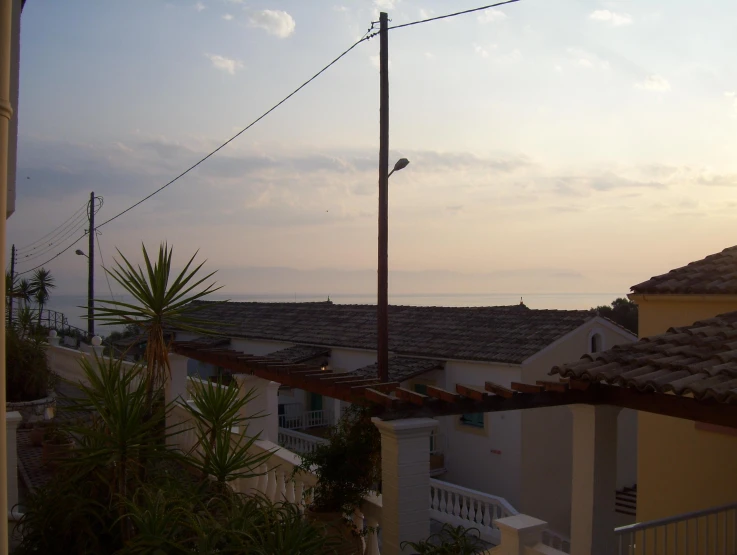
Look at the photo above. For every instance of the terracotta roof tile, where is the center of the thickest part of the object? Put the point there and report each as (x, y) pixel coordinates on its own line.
(501, 334)
(402, 368)
(714, 275)
(691, 360)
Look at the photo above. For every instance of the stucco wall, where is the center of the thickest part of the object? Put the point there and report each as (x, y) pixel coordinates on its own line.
(487, 460)
(681, 469)
(547, 441)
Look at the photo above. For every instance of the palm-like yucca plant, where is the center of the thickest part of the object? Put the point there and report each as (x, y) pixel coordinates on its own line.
(161, 304)
(41, 285)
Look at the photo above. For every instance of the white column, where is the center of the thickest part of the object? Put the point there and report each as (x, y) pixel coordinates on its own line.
(176, 385)
(12, 420)
(405, 481)
(519, 533)
(264, 406)
(594, 479)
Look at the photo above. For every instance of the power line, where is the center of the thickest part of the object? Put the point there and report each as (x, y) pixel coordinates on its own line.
(367, 36)
(452, 14)
(36, 244)
(102, 260)
(57, 255)
(52, 246)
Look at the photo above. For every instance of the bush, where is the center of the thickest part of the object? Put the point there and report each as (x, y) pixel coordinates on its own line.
(28, 376)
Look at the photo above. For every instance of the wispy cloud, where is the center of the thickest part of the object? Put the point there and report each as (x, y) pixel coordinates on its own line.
(654, 83)
(491, 15)
(586, 59)
(385, 4)
(228, 65)
(228, 17)
(199, 6)
(275, 22)
(732, 96)
(613, 18)
(481, 51)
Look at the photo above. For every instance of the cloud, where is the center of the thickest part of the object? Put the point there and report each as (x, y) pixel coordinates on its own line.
(226, 64)
(340, 8)
(654, 83)
(199, 6)
(491, 15)
(385, 4)
(481, 51)
(228, 17)
(732, 96)
(429, 55)
(275, 22)
(613, 18)
(712, 180)
(583, 58)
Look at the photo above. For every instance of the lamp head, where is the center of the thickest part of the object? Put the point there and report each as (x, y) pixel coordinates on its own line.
(401, 164)
(80, 253)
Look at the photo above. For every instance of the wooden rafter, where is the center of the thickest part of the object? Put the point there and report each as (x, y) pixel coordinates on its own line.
(390, 401)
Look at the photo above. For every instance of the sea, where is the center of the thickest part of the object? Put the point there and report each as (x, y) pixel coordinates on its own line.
(72, 306)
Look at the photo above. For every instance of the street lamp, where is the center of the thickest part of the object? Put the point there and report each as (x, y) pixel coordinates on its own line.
(90, 294)
(382, 357)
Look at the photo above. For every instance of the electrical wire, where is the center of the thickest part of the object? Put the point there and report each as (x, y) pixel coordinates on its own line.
(102, 260)
(367, 36)
(57, 255)
(38, 243)
(453, 14)
(24, 259)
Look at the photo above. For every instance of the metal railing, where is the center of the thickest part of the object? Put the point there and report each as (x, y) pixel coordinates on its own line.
(306, 419)
(51, 320)
(297, 442)
(708, 532)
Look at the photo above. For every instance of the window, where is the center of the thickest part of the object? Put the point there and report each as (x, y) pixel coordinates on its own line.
(595, 343)
(475, 419)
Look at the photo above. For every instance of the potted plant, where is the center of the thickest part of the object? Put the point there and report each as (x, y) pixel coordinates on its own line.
(347, 468)
(29, 380)
(56, 446)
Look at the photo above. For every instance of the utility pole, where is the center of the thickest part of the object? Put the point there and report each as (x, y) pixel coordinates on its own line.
(91, 273)
(12, 282)
(383, 266)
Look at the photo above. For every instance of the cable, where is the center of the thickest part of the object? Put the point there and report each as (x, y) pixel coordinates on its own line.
(37, 244)
(57, 255)
(102, 260)
(52, 246)
(453, 14)
(366, 36)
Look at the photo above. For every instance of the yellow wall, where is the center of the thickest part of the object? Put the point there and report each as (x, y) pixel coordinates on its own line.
(681, 469)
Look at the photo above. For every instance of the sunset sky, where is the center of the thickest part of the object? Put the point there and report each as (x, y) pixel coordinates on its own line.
(555, 145)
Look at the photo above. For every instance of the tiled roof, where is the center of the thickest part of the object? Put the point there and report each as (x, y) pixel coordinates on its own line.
(698, 360)
(299, 353)
(503, 333)
(714, 275)
(402, 368)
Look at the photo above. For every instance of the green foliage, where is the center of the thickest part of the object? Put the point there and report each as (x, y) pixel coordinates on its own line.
(348, 466)
(622, 311)
(41, 285)
(451, 540)
(100, 502)
(28, 376)
(161, 303)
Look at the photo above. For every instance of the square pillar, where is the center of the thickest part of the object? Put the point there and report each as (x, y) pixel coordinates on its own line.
(594, 479)
(12, 420)
(519, 533)
(264, 406)
(405, 481)
(176, 384)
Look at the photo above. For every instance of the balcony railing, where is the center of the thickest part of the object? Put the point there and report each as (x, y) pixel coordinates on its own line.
(297, 442)
(306, 419)
(709, 532)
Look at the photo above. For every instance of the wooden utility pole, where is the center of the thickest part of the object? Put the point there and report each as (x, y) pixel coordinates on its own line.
(383, 266)
(91, 272)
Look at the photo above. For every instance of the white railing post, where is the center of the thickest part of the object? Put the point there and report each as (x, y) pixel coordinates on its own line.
(176, 383)
(405, 472)
(54, 338)
(264, 405)
(519, 534)
(12, 420)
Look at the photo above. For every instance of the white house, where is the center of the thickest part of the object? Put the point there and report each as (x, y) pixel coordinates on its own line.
(522, 456)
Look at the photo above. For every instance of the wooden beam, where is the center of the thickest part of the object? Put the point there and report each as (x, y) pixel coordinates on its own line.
(381, 398)
(377, 385)
(526, 387)
(558, 387)
(579, 385)
(497, 389)
(411, 396)
(471, 392)
(442, 394)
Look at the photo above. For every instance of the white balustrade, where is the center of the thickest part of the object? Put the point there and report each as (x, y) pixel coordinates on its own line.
(305, 419)
(195, 379)
(298, 442)
(556, 540)
(469, 508)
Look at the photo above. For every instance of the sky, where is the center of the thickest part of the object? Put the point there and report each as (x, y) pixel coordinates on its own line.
(554, 145)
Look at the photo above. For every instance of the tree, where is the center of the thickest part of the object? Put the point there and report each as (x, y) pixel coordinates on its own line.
(41, 284)
(622, 311)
